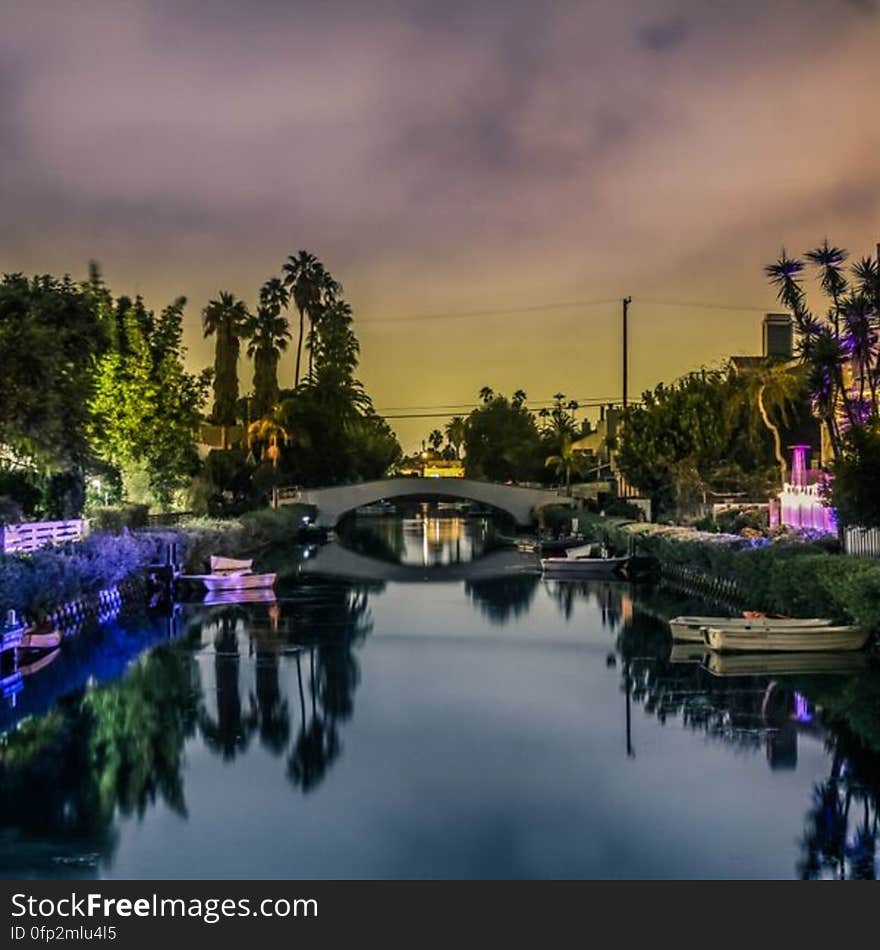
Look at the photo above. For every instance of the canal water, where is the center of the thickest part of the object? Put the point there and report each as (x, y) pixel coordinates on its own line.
(420, 703)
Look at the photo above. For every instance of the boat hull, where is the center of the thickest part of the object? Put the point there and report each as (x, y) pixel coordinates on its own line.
(40, 641)
(790, 640)
(237, 582)
(690, 629)
(583, 567)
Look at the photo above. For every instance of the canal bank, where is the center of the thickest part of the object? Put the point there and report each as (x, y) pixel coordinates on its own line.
(798, 578)
(70, 581)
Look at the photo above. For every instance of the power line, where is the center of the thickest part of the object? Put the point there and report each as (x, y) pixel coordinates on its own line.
(448, 414)
(536, 403)
(700, 305)
(459, 314)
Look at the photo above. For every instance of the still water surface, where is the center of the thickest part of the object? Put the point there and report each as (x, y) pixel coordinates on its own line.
(477, 723)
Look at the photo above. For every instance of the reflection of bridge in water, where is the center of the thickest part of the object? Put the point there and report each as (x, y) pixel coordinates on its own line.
(522, 504)
(339, 561)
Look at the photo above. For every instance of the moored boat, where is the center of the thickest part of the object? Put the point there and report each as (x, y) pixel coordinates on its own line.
(803, 639)
(690, 629)
(218, 582)
(584, 566)
(40, 640)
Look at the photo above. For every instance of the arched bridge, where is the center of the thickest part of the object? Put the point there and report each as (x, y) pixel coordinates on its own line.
(522, 504)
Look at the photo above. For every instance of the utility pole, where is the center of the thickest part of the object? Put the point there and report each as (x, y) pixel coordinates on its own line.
(626, 302)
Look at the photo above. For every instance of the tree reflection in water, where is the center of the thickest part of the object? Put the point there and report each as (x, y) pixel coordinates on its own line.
(500, 599)
(65, 775)
(119, 749)
(230, 732)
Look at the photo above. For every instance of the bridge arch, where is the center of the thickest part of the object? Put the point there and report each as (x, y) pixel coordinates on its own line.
(522, 504)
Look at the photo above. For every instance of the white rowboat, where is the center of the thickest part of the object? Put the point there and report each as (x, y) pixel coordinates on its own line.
(789, 640)
(690, 629)
(216, 582)
(583, 566)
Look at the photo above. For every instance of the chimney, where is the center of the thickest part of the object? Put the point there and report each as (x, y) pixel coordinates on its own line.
(778, 336)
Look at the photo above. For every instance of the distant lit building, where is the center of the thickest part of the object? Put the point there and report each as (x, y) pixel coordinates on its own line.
(419, 467)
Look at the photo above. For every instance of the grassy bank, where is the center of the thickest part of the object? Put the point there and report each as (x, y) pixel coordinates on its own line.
(36, 584)
(797, 578)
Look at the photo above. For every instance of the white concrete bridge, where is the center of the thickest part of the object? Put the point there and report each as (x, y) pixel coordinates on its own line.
(522, 504)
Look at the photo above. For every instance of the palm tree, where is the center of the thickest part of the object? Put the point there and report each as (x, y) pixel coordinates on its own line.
(310, 286)
(269, 434)
(456, 429)
(775, 390)
(226, 318)
(269, 333)
(486, 394)
(565, 462)
(518, 399)
(435, 439)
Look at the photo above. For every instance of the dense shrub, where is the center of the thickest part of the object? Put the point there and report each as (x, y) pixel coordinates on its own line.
(119, 518)
(34, 584)
(10, 510)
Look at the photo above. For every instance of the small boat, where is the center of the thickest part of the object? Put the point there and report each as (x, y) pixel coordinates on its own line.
(224, 582)
(784, 664)
(40, 640)
(584, 566)
(221, 564)
(690, 629)
(785, 640)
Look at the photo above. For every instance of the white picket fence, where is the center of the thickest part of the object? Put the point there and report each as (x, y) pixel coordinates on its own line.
(862, 542)
(19, 538)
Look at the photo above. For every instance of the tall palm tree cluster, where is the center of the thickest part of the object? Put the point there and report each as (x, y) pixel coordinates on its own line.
(839, 347)
(306, 285)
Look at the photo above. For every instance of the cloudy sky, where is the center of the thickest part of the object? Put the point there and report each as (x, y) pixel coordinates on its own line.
(487, 179)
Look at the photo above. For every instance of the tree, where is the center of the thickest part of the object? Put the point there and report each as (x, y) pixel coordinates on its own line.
(456, 429)
(775, 390)
(146, 407)
(854, 487)
(691, 437)
(501, 441)
(435, 439)
(839, 350)
(226, 318)
(486, 395)
(311, 288)
(339, 436)
(565, 462)
(268, 334)
(560, 419)
(53, 333)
